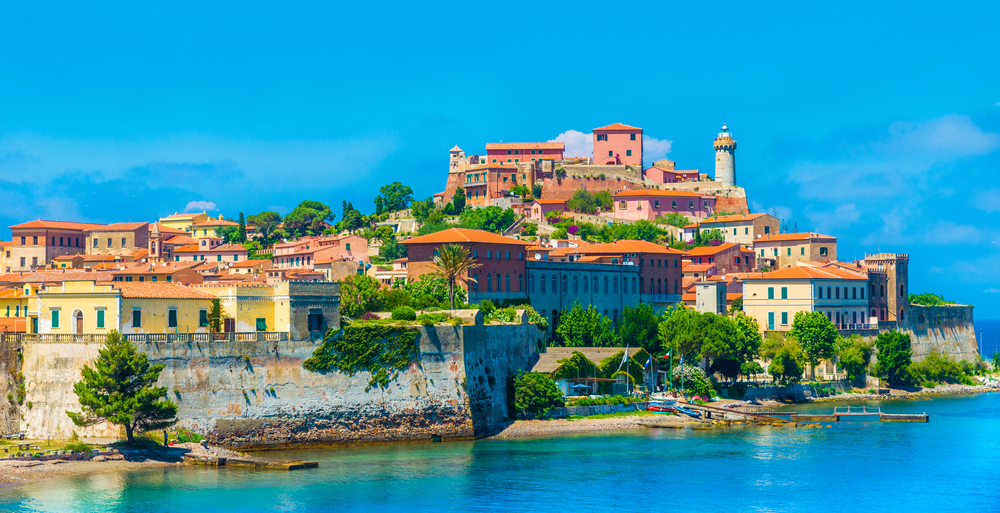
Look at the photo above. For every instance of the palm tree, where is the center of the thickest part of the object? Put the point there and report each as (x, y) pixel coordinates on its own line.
(453, 263)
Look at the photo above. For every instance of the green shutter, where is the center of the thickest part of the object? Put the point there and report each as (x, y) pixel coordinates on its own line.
(203, 318)
(770, 292)
(784, 292)
(261, 324)
(784, 318)
(100, 318)
(55, 318)
(171, 318)
(770, 320)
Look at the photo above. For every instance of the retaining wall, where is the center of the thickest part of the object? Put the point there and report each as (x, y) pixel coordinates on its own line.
(601, 409)
(256, 394)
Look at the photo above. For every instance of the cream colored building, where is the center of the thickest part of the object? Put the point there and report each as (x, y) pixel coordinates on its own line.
(742, 228)
(302, 309)
(774, 298)
(787, 249)
(183, 221)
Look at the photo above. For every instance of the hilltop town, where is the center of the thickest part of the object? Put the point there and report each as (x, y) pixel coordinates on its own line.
(545, 228)
(598, 253)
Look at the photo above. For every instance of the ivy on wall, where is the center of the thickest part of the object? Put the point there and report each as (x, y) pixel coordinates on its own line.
(379, 349)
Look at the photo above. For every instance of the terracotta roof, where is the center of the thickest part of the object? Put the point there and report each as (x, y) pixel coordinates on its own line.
(807, 273)
(781, 237)
(216, 222)
(166, 230)
(158, 290)
(140, 253)
(56, 224)
(151, 268)
(492, 166)
(60, 276)
(732, 218)
(629, 246)
(13, 324)
(689, 297)
(711, 250)
(181, 239)
(462, 235)
(6, 243)
(550, 201)
(249, 263)
(526, 146)
(184, 216)
(456, 148)
(658, 192)
(119, 227)
(694, 268)
(618, 126)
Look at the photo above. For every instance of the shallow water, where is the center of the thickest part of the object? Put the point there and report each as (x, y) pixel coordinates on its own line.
(951, 463)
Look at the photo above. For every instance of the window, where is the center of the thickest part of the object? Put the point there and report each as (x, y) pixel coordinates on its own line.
(819, 292)
(822, 251)
(172, 318)
(531, 283)
(475, 282)
(55, 318)
(862, 292)
(109, 242)
(95, 242)
(475, 253)
(605, 285)
(565, 285)
(784, 318)
(508, 152)
(690, 204)
(508, 255)
(615, 280)
(770, 292)
(746, 231)
(623, 205)
(854, 293)
(673, 204)
(153, 278)
(784, 292)
(520, 283)
(628, 153)
(632, 137)
(218, 258)
(34, 261)
(585, 280)
(788, 252)
(596, 290)
(602, 137)
(22, 261)
(656, 203)
(828, 294)
(838, 292)
(517, 152)
(611, 153)
(488, 255)
(576, 284)
(520, 255)
(633, 285)
(767, 230)
(532, 152)
(136, 318)
(541, 282)
(555, 286)
(202, 318)
(34, 241)
(22, 241)
(123, 242)
(770, 320)
(494, 161)
(261, 324)
(802, 250)
(489, 282)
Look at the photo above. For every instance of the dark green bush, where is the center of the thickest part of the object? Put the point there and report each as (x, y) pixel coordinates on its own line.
(404, 313)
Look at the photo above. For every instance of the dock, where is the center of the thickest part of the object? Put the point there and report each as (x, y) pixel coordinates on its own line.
(249, 462)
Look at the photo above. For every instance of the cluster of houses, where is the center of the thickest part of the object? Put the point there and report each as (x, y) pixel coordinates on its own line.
(139, 277)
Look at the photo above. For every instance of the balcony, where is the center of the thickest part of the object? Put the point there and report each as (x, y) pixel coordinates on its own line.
(148, 338)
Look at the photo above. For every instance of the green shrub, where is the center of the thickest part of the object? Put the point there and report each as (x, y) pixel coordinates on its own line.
(188, 436)
(78, 447)
(928, 384)
(430, 319)
(404, 313)
(535, 394)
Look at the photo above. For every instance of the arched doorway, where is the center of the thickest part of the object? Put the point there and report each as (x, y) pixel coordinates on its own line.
(78, 323)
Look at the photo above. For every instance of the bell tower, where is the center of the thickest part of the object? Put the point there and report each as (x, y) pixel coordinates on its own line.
(725, 157)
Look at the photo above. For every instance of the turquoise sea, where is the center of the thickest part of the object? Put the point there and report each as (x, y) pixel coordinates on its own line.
(951, 463)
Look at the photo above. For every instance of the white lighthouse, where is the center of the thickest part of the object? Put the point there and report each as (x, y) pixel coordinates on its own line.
(725, 157)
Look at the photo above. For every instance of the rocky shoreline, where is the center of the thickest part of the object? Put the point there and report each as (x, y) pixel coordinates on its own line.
(910, 393)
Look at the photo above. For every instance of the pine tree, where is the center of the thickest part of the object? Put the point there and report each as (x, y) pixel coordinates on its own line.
(243, 229)
(121, 389)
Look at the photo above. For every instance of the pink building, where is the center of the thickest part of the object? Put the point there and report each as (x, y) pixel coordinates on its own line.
(659, 175)
(515, 153)
(726, 258)
(648, 205)
(208, 252)
(618, 144)
(491, 181)
(540, 207)
(307, 251)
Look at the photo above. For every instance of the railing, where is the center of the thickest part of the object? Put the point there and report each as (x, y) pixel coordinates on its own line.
(858, 326)
(148, 338)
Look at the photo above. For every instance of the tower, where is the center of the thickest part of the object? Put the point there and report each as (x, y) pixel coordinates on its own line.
(725, 157)
(155, 244)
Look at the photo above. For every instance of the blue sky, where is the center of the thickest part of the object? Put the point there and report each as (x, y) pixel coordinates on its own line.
(879, 124)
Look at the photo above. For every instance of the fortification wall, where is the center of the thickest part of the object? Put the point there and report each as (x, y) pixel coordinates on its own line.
(727, 198)
(257, 394)
(945, 329)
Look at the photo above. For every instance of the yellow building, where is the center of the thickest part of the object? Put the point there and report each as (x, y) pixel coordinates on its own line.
(210, 227)
(90, 307)
(774, 298)
(5, 259)
(302, 309)
(14, 304)
(788, 249)
(183, 221)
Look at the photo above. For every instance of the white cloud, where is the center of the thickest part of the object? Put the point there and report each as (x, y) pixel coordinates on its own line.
(988, 200)
(578, 144)
(828, 222)
(654, 149)
(200, 206)
(896, 163)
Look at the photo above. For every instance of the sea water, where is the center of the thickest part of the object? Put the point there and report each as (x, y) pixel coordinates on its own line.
(951, 463)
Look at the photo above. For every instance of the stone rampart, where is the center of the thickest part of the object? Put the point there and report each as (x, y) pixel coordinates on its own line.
(257, 394)
(945, 329)
(727, 198)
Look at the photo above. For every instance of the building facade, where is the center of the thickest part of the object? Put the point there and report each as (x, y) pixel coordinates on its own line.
(618, 144)
(896, 286)
(36, 243)
(742, 228)
(650, 204)
(120, 239)
(788, 249)
(727, 258)
(514, 153)
(774, 298)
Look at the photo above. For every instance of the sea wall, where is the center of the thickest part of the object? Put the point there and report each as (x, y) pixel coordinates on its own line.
(257, 394)
(945, 329)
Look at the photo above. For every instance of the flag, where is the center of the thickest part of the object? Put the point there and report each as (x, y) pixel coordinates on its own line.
(649, 361)
(624, 359)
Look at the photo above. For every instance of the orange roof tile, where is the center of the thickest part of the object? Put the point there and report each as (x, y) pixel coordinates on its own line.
(526, 146)
(694, 268)
(61, 276)
(629, 246)
(158, 290)
(184, 216)
(732, 218)
(56, 224)
(550, 201)
(181, 239)
(151, 268)
(118, 227)
(807, 273)
(711, 250)
(784, 237)
(658, 192)
(618, 126)
(462, 235)
(249, 263)
(216, 222)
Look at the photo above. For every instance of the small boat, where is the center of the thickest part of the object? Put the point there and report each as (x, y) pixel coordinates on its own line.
(689, 413)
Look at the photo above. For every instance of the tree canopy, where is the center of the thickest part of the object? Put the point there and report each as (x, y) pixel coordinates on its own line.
(120, 389)
(817, 335)
(265, 222)
(535, 394)
(585, 327)
(492, 218)
(309, 218)
(587, 203)
(393, 197)
(928, 299)
(894, 353)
